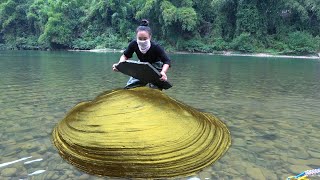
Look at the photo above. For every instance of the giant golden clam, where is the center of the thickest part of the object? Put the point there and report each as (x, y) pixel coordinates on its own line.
(140, 133)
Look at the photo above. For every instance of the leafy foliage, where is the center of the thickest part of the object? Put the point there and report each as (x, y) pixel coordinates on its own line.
(302, 42)
(290, 26)
(244, 43)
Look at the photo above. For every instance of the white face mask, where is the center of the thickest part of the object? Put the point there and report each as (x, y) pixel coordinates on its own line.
(144, 46)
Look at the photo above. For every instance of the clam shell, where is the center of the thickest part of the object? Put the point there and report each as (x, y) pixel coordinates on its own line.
(140, 133)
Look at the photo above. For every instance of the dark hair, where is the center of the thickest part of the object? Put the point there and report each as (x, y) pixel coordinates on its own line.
(144, 26)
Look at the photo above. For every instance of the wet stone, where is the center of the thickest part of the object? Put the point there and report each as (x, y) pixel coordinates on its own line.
(24, 153)
(63, 167)
(296, 169)
(77, 173)
(35, 155)
(42, 134)
(193, 178)
(55, 176)
(28, 137)
(10, 152)
(100, 179)
(296, 161)
(302, 154)
(42, 150)
(255, 173)
(68, 173)
(63, 177)
(281, 146)
(270, 137)
(233, 172)
(258, 149)
(8, 172)
(83, 177)
(268, 174)
(269, 157)
(48, 131)
(314, 162)
(239, 142)
(44, 164)
(50, 175)
(48, 154)
(314, 154)
(29, 147)
(205, 175)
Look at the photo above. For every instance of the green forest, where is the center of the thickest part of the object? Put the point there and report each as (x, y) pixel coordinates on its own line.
(272, 26)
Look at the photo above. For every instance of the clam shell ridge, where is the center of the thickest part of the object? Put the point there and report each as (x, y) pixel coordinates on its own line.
(139, 133)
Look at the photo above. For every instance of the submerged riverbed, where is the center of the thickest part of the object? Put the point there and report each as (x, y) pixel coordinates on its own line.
(270, 105)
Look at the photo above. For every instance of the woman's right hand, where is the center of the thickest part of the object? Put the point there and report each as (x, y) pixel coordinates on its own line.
(114, 67)
(122, 59)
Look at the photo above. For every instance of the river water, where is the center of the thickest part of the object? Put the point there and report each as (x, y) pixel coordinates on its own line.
(270, 105)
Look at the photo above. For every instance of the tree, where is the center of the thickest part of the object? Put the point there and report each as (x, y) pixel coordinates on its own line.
(62, 25)
(302, 42)
(37, 16)
(201, 25)
(13, 20)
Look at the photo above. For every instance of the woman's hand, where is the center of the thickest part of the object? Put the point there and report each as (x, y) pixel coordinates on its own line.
(114, 67)
(122, 59)
(164, 76)
(165, 68)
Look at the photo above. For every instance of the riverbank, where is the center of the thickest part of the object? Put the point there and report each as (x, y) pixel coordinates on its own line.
(223, 53)
(105, 50)
(279, 56)
(230, 53)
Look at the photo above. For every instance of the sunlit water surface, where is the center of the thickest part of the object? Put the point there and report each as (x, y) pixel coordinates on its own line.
(271, 106)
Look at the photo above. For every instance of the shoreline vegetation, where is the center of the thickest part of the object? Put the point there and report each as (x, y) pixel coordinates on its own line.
(259, 28)
(223, 53)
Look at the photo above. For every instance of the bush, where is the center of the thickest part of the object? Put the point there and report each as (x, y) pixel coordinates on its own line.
(317, 40)
(83, 44)
(166, 46)
(27, 43)
(220, 45)
(24, 42)
(113, 42)
(102, 41)
(300, 42)
(194, 46)
(279, 46)
(244, 43)
(3, 47)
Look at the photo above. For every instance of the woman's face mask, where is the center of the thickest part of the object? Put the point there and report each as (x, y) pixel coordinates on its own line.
(143, 40)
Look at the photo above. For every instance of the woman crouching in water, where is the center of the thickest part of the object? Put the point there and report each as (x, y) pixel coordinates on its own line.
(147, 51)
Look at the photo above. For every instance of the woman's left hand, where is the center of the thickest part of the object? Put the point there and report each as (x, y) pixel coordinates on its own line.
(164, 76)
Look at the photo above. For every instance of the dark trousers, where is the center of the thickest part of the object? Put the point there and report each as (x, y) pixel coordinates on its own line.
(133, 82)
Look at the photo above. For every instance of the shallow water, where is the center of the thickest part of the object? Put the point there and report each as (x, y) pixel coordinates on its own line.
(271, 106)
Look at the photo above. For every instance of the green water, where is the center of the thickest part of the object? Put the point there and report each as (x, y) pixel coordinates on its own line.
(271, 106)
